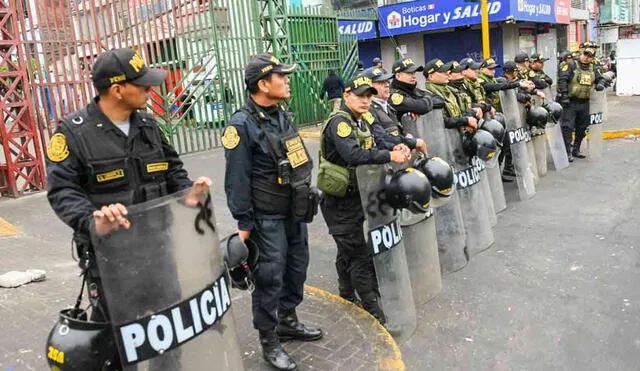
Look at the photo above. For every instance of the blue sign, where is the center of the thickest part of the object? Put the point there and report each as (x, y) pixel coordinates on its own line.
(534, 10)
(363, 29)
(427, 15)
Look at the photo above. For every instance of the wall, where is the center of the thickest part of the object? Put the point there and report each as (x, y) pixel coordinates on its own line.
(415, 50)
(509, 41)
(388, 53)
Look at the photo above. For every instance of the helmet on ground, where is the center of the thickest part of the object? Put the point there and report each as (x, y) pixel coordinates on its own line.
(440, 175)
(537, 117)
(241, 259)
(555, 110)
(495, 128)
(77, 344)
(408, 189)
(481, 144)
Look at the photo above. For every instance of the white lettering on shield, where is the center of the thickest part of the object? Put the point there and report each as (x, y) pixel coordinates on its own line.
(596, 118)
(385, 237)
(153, 335)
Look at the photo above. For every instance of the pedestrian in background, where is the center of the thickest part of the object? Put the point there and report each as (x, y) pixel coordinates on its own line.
(332, 87)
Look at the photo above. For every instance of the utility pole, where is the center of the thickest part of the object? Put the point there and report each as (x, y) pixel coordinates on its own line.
(486, 47)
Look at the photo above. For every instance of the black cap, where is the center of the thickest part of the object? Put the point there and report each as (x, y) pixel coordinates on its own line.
(470, 63)
(489, 63)
(538, 58)
(509, 66)
(124, 65)
(261, 65)
(376, 60)
(457, 67)
(521, 57)
(436, 65)
(377, 74)
(360, 85)
(406, 65)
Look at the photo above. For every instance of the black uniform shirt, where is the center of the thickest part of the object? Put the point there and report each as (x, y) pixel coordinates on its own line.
(68, 173)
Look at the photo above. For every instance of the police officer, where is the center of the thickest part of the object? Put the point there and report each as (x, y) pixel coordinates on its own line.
(536, 73)
(456, 83)
(526, 87)
(492, 86)
(377, 62)
(345, 143)
(267, 183)
(406, 97)
(575, 82)
(522, 64)
(437, 73)
(385, 127)
(471, 83)
(565, 57)
(109, 155)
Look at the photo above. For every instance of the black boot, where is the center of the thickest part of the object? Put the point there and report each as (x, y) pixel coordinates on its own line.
(371, 305)
(290, 328)
(274, 353)
(352, 298)
(576, 149)
(577, 154)
(570, 155)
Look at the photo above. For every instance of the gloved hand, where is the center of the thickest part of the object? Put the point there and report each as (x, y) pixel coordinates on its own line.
(599, 87)
(437, 103)
(562, 99)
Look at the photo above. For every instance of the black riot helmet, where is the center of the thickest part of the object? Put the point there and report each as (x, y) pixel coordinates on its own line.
(241, 259)
(537, 117)
(563, 56)
(481, 144)
(440, 175)
(555, 111)
(501, 119)
(77, 344)
(495, 128)
(408, 189)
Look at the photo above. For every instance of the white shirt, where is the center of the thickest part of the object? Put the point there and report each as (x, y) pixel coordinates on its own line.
(124, 126)
(382, 102)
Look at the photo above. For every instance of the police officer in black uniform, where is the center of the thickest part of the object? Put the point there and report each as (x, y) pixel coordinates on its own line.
(385, 127)
(406, 97)
(575, 82)
(345, 143)
(267, 183)
(109, 155)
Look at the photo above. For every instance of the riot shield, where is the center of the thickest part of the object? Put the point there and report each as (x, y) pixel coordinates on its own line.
(529, 142)
(597, 117)
(486, 190)
(517, 135)
(448, 216)
(473, 201)
(557, 149)
(165, 288)
(496, 187)
(540, 150)
(384, 237)
(421, 247)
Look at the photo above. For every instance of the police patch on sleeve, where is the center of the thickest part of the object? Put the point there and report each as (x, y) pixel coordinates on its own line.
(565, 68)
(368, 117)
(396, 98)
(230, 137)
(57, 150)
(343, 130)
(532, 74)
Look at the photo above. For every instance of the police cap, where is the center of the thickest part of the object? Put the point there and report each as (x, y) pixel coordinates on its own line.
(590, 52)
(489, 63)
(406, 65)
(359, 85)
(118, 66)
(376, 60)
(261, 65)
(437, 65)
(470, 63)
(457, 67)
(521, 57)
(538, 58)
(509, 66)
(377, 74)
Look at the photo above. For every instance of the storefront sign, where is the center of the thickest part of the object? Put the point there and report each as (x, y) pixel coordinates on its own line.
(362, 29)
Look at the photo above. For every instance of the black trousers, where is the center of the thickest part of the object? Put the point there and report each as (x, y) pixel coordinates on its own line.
(281, 271)
(575, 117)
(354, 264)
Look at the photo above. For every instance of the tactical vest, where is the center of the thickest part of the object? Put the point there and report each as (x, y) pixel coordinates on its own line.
(334, 179)
(451, 106)
(493, 97)
(582, 81)
(476, 90)
(114, 174)
(293, 164)
(464, 99)
(522, 73)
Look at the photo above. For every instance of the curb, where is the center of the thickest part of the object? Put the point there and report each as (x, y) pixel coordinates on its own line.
(387, 350)
(611, 134)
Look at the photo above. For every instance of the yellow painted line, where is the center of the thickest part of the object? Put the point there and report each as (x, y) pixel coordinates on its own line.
(615, 134)
(7, 229)
(386, 348)
(310, 134)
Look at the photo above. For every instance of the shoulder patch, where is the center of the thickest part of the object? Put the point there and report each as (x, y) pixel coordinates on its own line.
(397, 98)
(565, 68)
(532, 73)
(343, 130)
(230, 137)
(57, 150)
(368, 117)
